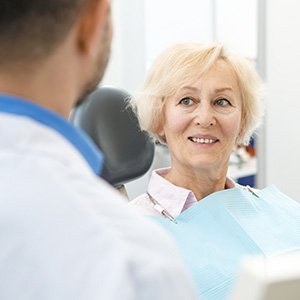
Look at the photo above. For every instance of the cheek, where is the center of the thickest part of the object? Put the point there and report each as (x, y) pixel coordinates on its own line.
(176, 122)
(233, 126)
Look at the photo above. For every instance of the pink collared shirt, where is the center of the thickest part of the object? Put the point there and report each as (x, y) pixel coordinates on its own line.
(172, 198)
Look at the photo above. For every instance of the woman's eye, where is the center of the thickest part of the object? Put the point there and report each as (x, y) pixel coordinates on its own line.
(186, 101)
(222, 102)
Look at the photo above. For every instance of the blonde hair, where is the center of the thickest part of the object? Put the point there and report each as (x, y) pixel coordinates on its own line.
(182, 64)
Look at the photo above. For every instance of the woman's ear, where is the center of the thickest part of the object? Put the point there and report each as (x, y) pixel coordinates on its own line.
(240, 138)
(238, 141)
(161, 131)
(162, 136)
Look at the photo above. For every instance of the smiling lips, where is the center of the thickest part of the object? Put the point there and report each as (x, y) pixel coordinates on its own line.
(204, 140)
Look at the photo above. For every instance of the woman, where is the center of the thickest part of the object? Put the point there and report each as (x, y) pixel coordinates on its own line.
(203, 102)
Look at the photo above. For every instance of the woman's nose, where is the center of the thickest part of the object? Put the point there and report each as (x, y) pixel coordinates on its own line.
(205, 116)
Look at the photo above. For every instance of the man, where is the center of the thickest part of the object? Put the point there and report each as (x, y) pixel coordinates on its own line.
(64, 233)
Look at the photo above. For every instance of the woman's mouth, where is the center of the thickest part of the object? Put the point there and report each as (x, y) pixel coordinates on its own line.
(203, 140)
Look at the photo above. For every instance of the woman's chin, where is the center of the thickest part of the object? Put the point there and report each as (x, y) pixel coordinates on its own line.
(205, 164)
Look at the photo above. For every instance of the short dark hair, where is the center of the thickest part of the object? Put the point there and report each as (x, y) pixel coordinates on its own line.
(31, 29)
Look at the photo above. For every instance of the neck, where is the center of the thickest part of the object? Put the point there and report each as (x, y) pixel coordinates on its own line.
(51, 83)
(24, 91)
(201, 182)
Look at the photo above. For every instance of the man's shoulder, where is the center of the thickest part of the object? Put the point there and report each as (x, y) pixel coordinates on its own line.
(57, 213)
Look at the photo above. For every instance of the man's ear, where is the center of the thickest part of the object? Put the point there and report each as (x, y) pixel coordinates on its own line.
(91, 22)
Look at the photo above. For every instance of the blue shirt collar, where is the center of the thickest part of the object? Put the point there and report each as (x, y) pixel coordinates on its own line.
(79, 139)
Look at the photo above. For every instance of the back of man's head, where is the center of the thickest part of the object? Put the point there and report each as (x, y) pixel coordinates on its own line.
(31, 29)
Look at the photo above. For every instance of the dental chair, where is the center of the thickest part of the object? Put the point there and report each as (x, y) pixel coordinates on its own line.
(113, 126)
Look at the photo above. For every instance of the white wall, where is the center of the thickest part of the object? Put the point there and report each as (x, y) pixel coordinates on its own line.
(143, 28)
(236, 26)
(127, 65)
(282, 67)
(172, 21)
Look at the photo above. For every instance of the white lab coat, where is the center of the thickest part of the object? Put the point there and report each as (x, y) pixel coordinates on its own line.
(65, 234)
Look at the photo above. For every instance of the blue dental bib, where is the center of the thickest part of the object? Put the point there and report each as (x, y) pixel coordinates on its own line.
(216, 233)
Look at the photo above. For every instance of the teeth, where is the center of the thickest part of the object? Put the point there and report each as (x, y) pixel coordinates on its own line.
(202, 141)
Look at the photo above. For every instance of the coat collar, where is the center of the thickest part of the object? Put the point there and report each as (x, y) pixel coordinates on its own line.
(87, 148)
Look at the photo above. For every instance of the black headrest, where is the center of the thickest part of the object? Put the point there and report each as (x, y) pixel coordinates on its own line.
(113, 126)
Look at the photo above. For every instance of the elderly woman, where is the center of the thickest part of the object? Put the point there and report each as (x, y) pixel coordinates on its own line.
(203, 102)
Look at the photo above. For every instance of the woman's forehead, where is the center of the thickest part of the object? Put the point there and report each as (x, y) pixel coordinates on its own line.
(219, 78)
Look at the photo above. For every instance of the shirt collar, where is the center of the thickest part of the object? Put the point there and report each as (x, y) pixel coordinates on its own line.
(229, 183)
(171, 197)
(80, 140)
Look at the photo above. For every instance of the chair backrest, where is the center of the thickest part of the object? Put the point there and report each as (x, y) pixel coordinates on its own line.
(106, 118)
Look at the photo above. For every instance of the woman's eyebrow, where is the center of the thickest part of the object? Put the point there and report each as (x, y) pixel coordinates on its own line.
(224, 89)
(188, 88)
(193, 89)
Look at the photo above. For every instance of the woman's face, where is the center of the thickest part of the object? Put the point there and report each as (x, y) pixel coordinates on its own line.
(203, 120)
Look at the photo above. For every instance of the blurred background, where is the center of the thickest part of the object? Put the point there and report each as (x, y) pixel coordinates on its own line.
(264, 31)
